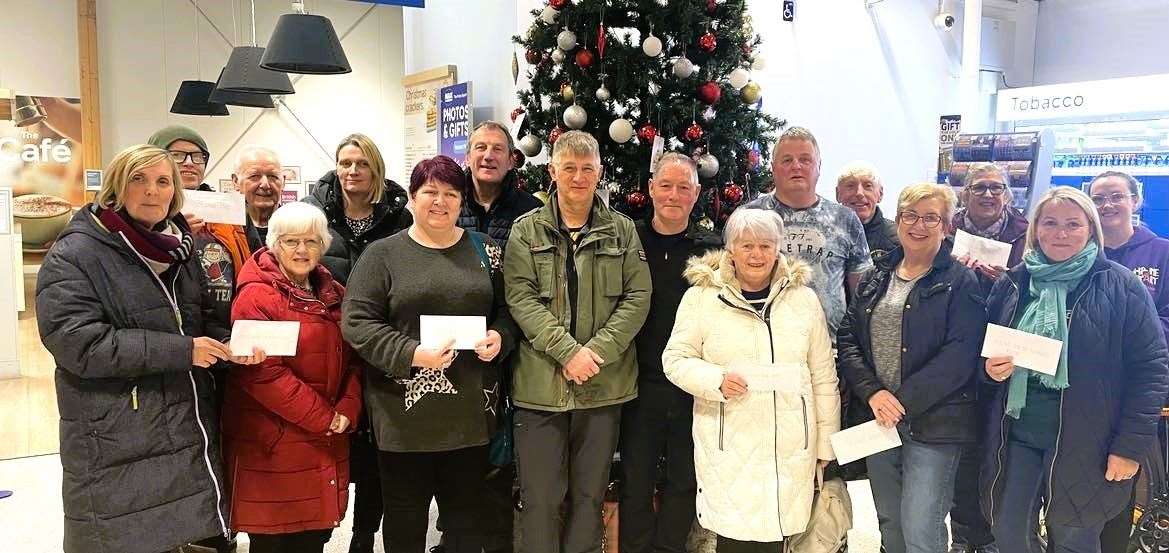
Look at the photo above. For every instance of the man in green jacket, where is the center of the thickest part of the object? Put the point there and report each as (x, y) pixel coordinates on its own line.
(578, 286)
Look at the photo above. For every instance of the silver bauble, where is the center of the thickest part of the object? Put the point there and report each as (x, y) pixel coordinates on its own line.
(652, 46)
(603, 94)
(566, 40)
(707, 166)
(739, 78)
(558, 56)
(621, 130)
(575, 117)
(549, 15)
(530, 145)
(683, 68)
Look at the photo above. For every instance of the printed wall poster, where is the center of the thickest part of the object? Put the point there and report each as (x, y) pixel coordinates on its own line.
(454, 121)
(421, 112)
(291, 174)
(948, 129)
(227, 185)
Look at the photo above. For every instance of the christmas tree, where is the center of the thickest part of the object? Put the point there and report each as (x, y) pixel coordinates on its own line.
(630, 71)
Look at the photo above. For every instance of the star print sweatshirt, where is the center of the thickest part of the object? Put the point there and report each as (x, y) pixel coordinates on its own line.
(396, 281)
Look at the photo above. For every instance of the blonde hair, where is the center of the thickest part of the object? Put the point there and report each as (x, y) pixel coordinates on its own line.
(763, 224)
(1059, 195)
(298, 218)
(929, 191)
(377, 165)
(130, 161)
(576, 144)
(858, 169)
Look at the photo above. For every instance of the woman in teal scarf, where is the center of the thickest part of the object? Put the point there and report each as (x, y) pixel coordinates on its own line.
(1071, 440)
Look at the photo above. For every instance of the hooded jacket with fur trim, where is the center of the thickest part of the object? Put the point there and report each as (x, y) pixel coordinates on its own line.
(755, 455)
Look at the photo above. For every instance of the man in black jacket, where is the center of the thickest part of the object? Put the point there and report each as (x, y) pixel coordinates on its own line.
(497, 201)
(860, 189)
(658, 422)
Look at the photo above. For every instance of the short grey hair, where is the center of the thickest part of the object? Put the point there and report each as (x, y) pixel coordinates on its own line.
(298, 218)
(494, 126)
(253, 152)
(980, 170)
(857, 170)
(763, 224)
(797, 133)
(680, 159)
(577, 144)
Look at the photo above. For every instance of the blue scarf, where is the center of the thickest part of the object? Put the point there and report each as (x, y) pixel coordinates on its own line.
(1046, 316)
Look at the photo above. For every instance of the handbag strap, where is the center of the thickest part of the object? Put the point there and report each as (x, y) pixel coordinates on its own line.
(477, 243)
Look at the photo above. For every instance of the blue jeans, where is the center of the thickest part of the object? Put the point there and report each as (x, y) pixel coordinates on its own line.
(1025, 475)
(913, 487)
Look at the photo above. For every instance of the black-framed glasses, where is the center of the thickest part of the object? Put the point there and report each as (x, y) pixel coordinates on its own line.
(992, 189)
(198, 158)
(909, 218)
(1114, 198)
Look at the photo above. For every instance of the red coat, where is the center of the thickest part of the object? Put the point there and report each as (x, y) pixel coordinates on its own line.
(286, 474)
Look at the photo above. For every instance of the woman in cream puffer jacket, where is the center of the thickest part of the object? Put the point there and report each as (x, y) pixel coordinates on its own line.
(755, 455)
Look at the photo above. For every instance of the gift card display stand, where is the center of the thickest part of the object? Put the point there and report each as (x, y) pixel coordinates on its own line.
(1025, 157)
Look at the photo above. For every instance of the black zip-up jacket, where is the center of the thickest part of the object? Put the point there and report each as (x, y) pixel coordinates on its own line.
(496, 222)
(389, 216)
(881, 234)
(941, 336)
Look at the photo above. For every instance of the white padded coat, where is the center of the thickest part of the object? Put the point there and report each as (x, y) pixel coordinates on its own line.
(755, 455)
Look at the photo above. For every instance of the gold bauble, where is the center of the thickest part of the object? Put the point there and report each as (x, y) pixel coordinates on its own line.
(751, 92)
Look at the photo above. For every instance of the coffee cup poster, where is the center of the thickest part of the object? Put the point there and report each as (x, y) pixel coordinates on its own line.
(40, 160)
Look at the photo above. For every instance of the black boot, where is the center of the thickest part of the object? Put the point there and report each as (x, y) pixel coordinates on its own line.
(361, 543)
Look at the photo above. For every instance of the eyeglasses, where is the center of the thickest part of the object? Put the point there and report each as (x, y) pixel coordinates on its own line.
(982, 190)
(910, 218)
(292, 244)
(1114, 198)
(198, 158)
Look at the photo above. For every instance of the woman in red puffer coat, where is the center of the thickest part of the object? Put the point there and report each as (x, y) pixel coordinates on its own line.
(285, 421)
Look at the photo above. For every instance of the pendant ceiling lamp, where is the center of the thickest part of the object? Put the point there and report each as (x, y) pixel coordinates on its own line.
(247, 99)
(244, 74)
(194, 97)
(304, 43)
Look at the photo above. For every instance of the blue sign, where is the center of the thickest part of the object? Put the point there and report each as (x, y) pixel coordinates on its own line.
(454, 120)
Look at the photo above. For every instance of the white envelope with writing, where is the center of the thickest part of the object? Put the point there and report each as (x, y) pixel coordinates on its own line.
(863, 440)
(990, 252)
(1030, 351)
(273, 337)
(771, 377)
(435, 330)
(215, 207)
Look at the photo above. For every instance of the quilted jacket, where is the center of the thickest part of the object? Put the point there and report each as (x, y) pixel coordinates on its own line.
(1117, 379)
(755, 455)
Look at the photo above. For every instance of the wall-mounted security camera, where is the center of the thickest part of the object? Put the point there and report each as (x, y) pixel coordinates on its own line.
(944, 21)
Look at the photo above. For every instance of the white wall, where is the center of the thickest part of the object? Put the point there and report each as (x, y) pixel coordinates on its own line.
(40, 47)
(1083, 40)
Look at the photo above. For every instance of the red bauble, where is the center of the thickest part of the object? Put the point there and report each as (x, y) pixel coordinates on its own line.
(516, 113)
(533, 56)
(647, 132)
(709, 92)
(636, 200)
(601, 40)
(732, 193)
(557, 4)
(711, 7)
(707, 41)
(554, 134)
(517, 158)
(693, 132)
(584, 58)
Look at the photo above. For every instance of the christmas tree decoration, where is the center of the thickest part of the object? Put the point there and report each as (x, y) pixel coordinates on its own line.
(709, 92)
(651, 46)
(621, 130)
(751, 92)
(515, 68)
(708, 114)
(549, 15)
(517, 158)
(683, 68)
(753, 159)
(759, 63)
(603, 94)
(694, 131)
(575, 117)
(647, 132)
(708, 41)
(706, 223)
(584, 58)
(554, 134)
(707, 165)
(636, 200)
(566, 40)
(733, 193)
(601, 41)
(558, 55)
(739, 78)
(566, 92)
(557, 4)
(530, 145)
(711, 7)
(532, 56)
(516, 113)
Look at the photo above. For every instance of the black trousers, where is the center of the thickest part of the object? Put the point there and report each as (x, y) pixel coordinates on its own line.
(659, 422)
(452, 478)
(727, 545)
(311, 541)
(498, 519)
(968, 526)
(367, 494)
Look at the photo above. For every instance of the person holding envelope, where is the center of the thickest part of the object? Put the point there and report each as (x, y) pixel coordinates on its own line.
(120, 307)
(285, 422)
(751, 344)
(909, 348)
(431, 407)
(1073, 439)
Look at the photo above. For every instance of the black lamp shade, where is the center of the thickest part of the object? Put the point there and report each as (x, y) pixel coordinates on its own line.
(247, 99)
(307, 44)
(194, 99)
(244, 74)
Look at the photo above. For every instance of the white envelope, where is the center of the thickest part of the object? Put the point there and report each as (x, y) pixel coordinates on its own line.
(1030, 351)
(215, 207)
(863, 440)
(770, 377)
(435, 330)
(990, 252)
(275, 338)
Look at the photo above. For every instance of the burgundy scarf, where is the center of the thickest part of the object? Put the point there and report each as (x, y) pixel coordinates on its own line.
(153, 245)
